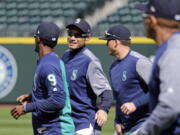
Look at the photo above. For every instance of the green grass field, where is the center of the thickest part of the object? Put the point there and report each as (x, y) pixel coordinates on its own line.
(22, 126)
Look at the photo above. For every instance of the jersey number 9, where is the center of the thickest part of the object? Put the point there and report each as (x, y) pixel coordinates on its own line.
(52, 79)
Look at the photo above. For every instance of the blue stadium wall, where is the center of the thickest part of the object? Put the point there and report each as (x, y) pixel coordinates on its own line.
(22, 50)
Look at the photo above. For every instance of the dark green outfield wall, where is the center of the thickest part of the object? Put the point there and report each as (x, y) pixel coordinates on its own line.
(26, 59)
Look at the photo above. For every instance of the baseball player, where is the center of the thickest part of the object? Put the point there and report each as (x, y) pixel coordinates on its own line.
(49, 101)
(86, 80)
(129, 76)
(162, 23)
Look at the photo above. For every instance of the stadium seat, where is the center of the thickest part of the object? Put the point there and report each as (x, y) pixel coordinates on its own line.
(29, 13)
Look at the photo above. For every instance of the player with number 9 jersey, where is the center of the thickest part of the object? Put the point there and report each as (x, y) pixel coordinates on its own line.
(49, 96)
(49, 101)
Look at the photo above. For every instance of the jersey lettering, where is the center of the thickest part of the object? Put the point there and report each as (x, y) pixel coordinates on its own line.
(52, 79)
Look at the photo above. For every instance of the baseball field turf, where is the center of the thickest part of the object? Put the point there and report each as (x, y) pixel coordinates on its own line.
(22, 126)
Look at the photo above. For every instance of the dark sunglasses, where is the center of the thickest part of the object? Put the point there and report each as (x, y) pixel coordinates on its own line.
(77, 35)
(111, 35)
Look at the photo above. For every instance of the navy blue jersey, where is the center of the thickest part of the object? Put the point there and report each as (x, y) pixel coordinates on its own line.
(50, 104)
(86, 81)
(129, 77)
(165, 90)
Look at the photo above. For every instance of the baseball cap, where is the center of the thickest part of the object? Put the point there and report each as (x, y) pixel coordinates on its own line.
(81, 24)
(168, 9)
(118, 32)
(48, 31)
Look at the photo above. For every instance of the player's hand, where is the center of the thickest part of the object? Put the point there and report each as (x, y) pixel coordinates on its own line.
(101, 117)
(17, 111)
(128, 108)
(118, 128)
(24, 99)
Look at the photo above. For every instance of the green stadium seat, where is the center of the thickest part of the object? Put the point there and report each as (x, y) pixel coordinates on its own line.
(2, 5)
(34, 20)
(34, 12)
(23, 12)
(57, 12)
(45, 5)
(31, 12)
(11, 13)
(3, 19)
(56, 6)
(12, 20)
(2, 12)
(10, 6)
(23, 20)
(34, 5)
(45, 12)
(70, 13)
(22, 5)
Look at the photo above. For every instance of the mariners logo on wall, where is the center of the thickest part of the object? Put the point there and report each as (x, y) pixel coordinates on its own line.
(8, 72)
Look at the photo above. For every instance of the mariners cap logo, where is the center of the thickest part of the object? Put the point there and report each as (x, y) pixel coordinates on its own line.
(53, 39)
(78, 20)
(152, 8)
(177, 17)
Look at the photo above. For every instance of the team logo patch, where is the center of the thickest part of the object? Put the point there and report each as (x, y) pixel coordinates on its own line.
(78, 20)
(8, 72)
(124, 77)
(74, 75)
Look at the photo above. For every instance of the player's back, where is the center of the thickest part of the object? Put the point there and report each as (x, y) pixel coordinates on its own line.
(50, 86)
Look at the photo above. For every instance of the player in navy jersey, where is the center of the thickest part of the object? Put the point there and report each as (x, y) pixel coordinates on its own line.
(129, 76)
(161, 20)
(86, 80)
(49, 101)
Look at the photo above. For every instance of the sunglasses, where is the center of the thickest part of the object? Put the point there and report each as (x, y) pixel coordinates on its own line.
(76, 35)
(111, 35)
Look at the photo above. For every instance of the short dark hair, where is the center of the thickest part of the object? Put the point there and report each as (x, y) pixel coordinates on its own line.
(168, 23)
(126, 42)
(51, 44)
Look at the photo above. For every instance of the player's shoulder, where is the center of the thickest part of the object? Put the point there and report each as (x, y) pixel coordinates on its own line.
(90, 55)
(174, 41)
(171, 50)
(51, 61)
(66, 52)
(140, 59)
(136, 54)
(113, 64)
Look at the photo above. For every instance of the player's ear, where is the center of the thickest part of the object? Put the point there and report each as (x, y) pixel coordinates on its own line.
(116, 43)
(153, 20)
(38, 40)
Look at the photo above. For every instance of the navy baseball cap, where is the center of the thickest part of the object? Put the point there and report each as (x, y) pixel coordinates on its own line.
(168, 9)
(80, 24)
(48, 31)
(118, 32)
